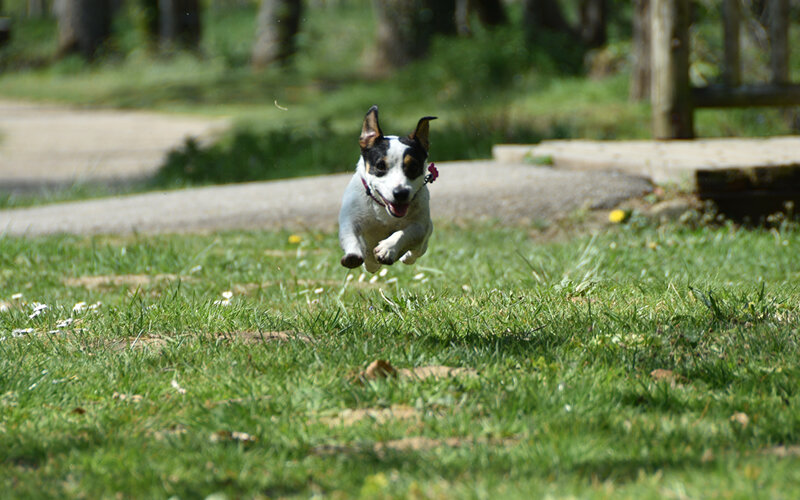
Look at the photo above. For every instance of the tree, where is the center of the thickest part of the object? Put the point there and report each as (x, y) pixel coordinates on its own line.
(277, 25)
(548, 15)
(83, 26)
(179, 23)
(640, 75)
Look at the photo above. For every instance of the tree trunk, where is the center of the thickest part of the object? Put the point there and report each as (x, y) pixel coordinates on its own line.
(37, 8)
(545, 14)
(179, 23)
(593, 22)
(83, 26)
(491, 12)
(403, 34)
(640, 75)
(277, 25)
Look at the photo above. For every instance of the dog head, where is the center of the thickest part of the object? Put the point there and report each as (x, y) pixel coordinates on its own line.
(393, 167)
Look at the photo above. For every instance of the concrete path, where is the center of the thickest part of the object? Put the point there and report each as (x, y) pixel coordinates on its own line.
(49, 145)
(510, 193)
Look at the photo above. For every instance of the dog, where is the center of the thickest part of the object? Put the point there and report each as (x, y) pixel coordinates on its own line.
(385, 215)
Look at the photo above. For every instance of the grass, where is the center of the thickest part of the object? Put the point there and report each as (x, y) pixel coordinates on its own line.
(164, 390)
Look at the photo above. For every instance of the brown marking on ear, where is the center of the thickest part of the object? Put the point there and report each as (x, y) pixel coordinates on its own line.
(420, 134)
(371, 131)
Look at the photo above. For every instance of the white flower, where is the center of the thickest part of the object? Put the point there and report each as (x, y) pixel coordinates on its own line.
(178, 387)
(227, 294)
(383, 272)
(319, 290)
(79, 307)
(16, 296)
(419, 276)
(567, 408)
(95, 306)
(3, 307)
(64, 323)
(391, 281)
(37, 310)
(362, 277)
(374, 278)
(21, 332)
(195, 269)
(222, 302)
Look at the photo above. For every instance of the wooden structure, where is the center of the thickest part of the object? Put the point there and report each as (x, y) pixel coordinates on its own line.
(672, 96)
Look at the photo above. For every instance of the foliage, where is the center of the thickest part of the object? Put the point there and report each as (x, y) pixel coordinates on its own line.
(635, 363)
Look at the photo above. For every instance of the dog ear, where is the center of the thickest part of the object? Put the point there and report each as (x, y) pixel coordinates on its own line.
(371, 131)
(420, 134)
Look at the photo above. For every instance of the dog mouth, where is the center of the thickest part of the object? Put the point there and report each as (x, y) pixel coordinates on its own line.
(395, 209)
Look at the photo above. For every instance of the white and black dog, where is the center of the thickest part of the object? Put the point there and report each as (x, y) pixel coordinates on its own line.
(385, 215)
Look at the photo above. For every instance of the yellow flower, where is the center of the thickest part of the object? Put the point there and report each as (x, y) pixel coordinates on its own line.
(294, 239)
(618, 216)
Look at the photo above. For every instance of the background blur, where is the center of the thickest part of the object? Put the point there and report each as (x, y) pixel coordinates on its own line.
(297, 77)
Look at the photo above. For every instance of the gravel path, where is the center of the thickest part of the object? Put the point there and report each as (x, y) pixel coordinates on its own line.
(464, 191)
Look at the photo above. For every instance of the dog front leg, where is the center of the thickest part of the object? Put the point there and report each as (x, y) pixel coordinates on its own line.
(398, 243)
(353, 245)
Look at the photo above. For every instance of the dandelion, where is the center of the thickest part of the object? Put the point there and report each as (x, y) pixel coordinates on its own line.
(79, 307)
(618, 216)
(294, 239)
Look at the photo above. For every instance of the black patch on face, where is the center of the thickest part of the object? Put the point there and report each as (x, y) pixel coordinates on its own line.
(413, 158)
(375, 158)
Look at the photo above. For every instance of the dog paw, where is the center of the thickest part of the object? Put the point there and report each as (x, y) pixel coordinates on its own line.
(352, 260)
(409, 258)
(384, 253)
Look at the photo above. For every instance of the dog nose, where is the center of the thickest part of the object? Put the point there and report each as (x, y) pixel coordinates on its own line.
(401, 194)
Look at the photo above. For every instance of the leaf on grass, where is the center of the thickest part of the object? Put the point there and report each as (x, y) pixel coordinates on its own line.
(662, 375)
(78, 411)
(223, 436)
(740, 418)
(380, 368)
(131, 398)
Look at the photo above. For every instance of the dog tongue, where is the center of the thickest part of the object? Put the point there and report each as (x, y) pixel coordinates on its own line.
(398, 210)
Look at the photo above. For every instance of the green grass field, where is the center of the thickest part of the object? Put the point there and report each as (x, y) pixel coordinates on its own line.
(642, 362)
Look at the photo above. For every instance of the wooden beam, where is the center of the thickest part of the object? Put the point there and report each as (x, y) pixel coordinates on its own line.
(670, 93)
(731, 20)
(745, 96)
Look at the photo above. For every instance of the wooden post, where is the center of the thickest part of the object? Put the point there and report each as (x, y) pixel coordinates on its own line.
(779, 40)
(731, 19)
(670, 92)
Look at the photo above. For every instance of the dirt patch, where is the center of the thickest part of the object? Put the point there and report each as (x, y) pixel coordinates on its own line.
(348, 417)
(414, 444)
(381, 368)
(261, 337)
(137, 344)
(109, 281)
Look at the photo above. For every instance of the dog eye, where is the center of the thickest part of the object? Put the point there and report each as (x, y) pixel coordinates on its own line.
(380, 165)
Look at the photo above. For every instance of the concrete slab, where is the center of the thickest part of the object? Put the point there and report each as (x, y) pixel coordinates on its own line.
(675, 162)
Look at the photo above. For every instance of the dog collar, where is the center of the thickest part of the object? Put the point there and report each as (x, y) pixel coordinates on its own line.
(369, 193)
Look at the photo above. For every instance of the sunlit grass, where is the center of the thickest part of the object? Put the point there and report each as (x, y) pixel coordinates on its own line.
(638, 362)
